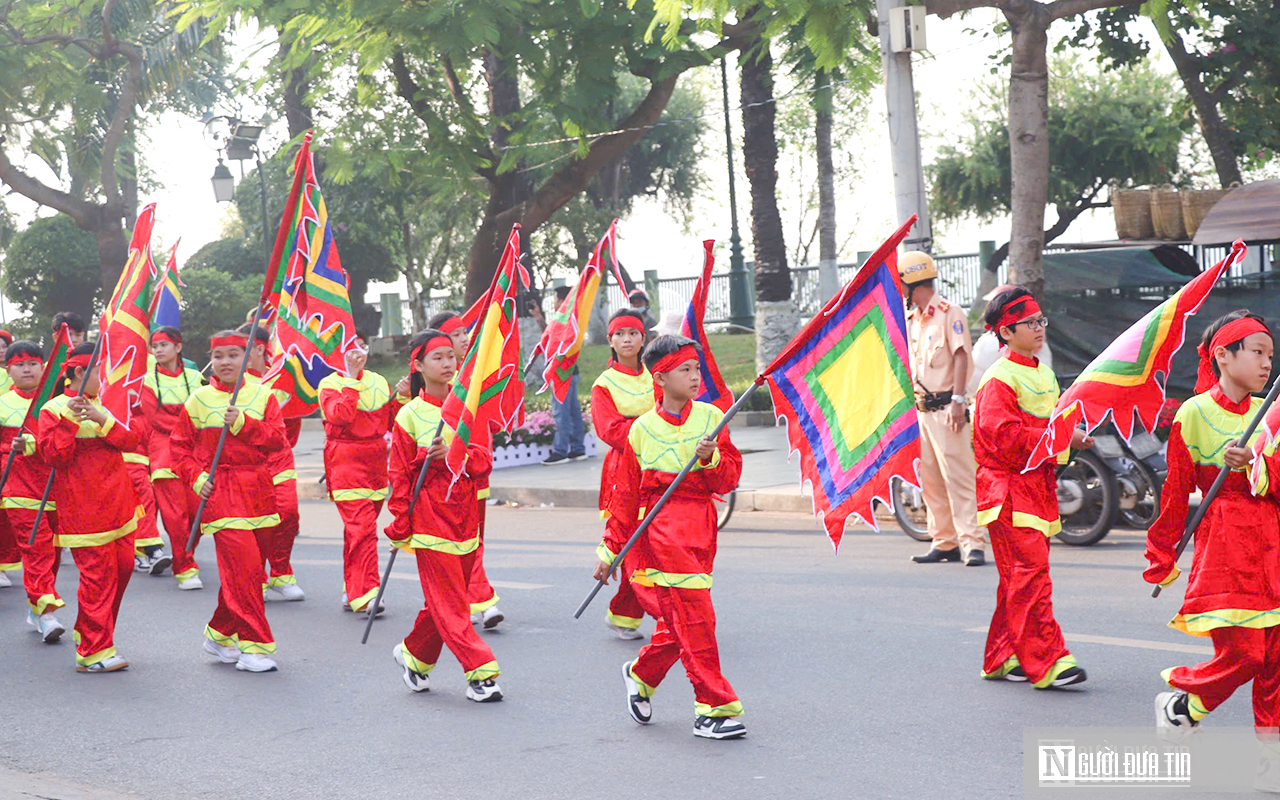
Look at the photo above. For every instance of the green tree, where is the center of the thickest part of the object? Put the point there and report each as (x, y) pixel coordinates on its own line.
(213, 300)
(233, 255)
(1117, 127)
(50, 266)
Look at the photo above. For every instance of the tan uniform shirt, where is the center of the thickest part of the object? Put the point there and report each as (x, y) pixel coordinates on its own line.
(935, 333)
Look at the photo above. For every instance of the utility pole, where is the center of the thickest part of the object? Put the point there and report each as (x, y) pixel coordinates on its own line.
(740, 309)
(904, 136)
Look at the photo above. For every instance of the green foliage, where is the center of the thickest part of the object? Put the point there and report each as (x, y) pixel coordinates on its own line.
(1113, 127)
(234, 255)
(213, 300)
(51, 266)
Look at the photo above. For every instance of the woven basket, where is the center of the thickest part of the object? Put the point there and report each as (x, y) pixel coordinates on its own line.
(1166, 213)
(1196, 204)
(1132, 208)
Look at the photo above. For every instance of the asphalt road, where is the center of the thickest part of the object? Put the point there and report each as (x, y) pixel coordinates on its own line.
(858, 672)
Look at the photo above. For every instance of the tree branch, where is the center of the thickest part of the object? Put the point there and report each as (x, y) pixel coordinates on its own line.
(409, 90)
(34, 190)
(945, 8)
(1061, 9)
(124, 110)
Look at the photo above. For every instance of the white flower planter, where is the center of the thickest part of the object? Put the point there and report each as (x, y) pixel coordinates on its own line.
(521, 455)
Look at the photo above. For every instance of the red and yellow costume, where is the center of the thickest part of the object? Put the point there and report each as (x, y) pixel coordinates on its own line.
(357, 414)
(670, 567)
(243, 501)
(138, 465)
(276, 543)
(22, 493)
(1233, 590)
(618, 397)
(163, 395)
(443, 536)
(98, 512)
(1011, 410)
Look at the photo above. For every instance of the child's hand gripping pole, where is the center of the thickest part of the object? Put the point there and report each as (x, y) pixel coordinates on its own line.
(386, 576)
(1222, 477)
(662, 501)
(48, 484)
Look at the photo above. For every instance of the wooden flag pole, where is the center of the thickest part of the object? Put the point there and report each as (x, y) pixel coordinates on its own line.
(1222, 477)
(675, 484)
(222, 436)
(386, 576)
(8, 464)
(48, 484)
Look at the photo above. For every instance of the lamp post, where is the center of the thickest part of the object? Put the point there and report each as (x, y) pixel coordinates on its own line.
(740, 312)
(238, 141)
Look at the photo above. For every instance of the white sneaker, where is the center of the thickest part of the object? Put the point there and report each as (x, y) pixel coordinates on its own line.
(485, 691)
(47, 625)
(255, 662)
(719, 728)
(141, 563)
(224, 653)
(5, 583)
(285, 592)
(416, 681)
(626, 634)
(1173, 721)
(638, 706)
(108, 664)
(191, 583)
(477, 618)
(160, 563)
(491, 617)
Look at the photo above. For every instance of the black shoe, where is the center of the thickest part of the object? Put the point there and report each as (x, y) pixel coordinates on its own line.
(555, 458)
(719, 728)
(976, 558)
(1069, 677)
(935, 555)
(638, 705)
(578, 456)
(160, 564)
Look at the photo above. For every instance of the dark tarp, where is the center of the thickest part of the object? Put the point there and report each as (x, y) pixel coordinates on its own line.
(1093, 296)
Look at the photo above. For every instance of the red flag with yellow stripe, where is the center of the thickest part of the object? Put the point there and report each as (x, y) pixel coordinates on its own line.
(125, 327)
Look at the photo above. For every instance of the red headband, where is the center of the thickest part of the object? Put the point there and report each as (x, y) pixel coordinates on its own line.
(429, 345)
(1016, 312)
(8, 337)
(163, 336)
(236, 340)
(451, 324)
(81, 360)
(625, 321)
(1234, 331)
(9, 358)
(667, 363)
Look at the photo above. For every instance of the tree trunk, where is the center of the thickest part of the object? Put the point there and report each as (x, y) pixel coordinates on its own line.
(828, 270)
(1217, 134)
(113, 251)
(1028, 141)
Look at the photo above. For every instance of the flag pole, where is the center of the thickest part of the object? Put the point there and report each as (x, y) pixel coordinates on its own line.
(1222, 477)
(675, 484)
(386, 576)
(48, 484)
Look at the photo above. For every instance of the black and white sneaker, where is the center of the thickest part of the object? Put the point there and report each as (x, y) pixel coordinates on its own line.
(416, 681)
(578, 456)
(1173, 717)
(1017, 675)
(555, 458)
(160, 563)
(719, 728)
(485, 691)
(637, 704)
(1069, 677)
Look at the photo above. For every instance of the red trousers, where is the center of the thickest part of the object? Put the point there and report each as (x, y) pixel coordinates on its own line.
(104, 573)
(147, 534)
(445, 619)
(481, 595)
(1023, 623)
(625, 610)
(39, 559)
(686, 631)
(277, 543)
(10, 553)
(359, 550)
(1240, 655)
(240, 620)
(178, 505)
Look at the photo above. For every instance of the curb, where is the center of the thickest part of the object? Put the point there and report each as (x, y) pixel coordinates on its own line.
(537, 495)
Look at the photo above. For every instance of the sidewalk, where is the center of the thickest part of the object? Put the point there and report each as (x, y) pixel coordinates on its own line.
(769, 482)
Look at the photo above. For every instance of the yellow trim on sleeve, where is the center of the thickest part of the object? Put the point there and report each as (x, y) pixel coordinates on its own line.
(29, 503)
(136, 458)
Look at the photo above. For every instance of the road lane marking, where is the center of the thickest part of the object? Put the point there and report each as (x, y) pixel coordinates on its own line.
(320, 562)
(1142, 644)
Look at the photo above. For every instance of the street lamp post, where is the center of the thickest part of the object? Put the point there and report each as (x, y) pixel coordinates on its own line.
(740, 312)
(239, 142)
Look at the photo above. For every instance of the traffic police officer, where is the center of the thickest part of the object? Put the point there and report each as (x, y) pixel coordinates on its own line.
(941, 356)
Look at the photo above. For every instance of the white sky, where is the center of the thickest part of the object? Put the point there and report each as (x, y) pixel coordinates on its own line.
(178, 155)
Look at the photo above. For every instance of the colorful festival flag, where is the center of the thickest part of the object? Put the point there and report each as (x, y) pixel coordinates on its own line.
(1129, 376)
(312, 327)
(124, 327)
(714, 390)
(562, 339)
(53, 369)
(489, 392)
(166, 299)
(844, 386)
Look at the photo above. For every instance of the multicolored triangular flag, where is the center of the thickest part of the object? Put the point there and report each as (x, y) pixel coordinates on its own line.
(714, 390)
(166, 299)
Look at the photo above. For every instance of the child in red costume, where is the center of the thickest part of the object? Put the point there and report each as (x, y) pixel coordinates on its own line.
(1011, 410)
(22, 491)
(98, 510)
(443, 534)
(1233, 591)
(483, 597)
(165, 389)
(148, 547)
(240, 498)
(358, 411)
(622, 393)
(671, 568)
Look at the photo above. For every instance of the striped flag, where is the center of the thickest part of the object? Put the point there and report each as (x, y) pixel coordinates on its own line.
(166, 300)
(53, 368)
(125, 327)
(714, 390)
